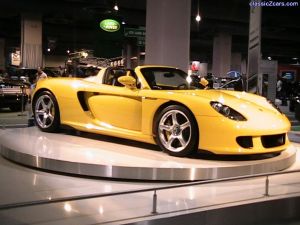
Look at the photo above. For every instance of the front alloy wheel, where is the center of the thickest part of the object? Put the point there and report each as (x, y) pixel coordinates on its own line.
(46, 113)
(176, 132)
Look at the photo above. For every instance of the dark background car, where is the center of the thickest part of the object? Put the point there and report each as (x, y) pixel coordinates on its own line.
(22, 74)
(13, 94)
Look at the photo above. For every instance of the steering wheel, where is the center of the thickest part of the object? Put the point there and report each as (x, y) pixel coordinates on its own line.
(182, 86)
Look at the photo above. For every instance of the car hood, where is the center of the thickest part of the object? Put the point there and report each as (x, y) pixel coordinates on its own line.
(226, 97)
(242, 102)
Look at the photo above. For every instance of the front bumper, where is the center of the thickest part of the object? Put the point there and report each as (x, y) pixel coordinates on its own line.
(220, 135)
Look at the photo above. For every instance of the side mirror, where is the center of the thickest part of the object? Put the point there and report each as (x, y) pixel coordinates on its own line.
(203, 81)
(127, 81)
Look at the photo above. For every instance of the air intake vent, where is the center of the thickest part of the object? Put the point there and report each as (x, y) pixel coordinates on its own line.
(245, 142)
(270, 141)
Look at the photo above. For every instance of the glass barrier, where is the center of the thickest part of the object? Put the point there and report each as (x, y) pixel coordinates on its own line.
(167, 200)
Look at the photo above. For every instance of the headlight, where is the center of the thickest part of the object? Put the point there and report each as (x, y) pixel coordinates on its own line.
(227, 111)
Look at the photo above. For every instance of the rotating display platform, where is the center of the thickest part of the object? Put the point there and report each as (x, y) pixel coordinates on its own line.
(102, 156)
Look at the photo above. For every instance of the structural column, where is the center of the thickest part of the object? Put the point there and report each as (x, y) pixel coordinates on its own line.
(31, 41)
(254, 76)
(168, 33)
(236, 62)
(221, 55)
(2, 54)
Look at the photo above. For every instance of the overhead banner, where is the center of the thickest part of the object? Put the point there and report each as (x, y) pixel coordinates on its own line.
(31, 40)
(138, 33)
(254, 78)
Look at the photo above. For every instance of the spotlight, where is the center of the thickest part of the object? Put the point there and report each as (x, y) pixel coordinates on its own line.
(84, 54)
(269, 58)
(198, 17)
(116, 7)
(48, 50)
(68, 51)
(123, 22)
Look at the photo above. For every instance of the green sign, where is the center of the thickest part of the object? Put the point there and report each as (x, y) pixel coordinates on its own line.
(110, 25)
(140, 41)
(133, 32)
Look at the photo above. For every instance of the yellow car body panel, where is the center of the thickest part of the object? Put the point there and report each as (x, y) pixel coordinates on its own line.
(88, 105)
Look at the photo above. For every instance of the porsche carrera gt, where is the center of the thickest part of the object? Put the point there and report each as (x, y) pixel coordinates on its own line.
(161, 105)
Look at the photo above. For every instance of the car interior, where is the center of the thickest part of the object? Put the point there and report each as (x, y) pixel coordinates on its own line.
(112, 75)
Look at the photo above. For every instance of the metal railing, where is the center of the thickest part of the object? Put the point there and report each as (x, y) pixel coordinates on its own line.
(154, 190)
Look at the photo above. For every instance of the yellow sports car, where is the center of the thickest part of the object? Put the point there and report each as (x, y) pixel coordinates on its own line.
(160, 105)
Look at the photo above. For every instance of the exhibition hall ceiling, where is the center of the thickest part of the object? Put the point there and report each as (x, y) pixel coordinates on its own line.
(71, 24)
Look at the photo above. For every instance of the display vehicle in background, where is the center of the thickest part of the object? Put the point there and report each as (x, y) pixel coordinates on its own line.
(13, 94)
(161, 105)
(24, 75)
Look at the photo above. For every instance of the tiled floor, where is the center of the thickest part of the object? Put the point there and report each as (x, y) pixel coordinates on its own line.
(15, 119)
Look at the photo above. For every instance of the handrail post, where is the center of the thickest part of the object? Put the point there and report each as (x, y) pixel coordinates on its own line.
(154, 203)
(22, 101)
(267, 186)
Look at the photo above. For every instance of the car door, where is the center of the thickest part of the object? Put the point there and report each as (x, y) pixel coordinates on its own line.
(117, 108)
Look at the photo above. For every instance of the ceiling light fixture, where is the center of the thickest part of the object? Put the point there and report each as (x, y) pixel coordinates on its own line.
(48, 49)
(116, 7)
(123, 22)
(269, 58)
(198, 17)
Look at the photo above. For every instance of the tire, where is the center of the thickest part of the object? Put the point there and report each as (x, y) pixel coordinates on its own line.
(46, 112)
(176, 131)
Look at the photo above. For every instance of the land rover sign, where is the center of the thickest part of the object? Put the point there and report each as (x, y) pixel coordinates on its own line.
(110, 25)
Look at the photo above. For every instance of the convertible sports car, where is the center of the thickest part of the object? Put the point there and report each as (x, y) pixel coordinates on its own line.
(161, 105)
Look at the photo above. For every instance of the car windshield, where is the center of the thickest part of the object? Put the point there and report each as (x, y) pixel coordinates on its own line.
(168, 79)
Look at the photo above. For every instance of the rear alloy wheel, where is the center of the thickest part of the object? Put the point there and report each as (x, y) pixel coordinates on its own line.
(176, 131)
(46, 112)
